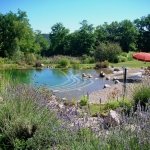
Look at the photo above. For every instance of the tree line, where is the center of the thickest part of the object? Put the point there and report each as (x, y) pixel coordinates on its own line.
(17, 38)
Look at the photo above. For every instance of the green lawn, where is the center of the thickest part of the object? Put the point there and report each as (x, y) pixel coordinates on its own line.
(131, 64)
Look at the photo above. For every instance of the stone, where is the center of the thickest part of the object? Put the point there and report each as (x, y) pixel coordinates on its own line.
(114, 78)
(84, 75)
(108, 78)
(42, 65)
(55, 91)
(102, 74)
(113, 119)
(116, 81)
(64, 99)
(116, 69)
(106, 86)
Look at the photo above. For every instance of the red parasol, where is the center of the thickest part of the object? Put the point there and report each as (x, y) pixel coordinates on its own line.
(142, 56)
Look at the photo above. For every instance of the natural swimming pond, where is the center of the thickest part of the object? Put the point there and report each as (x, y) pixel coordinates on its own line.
(67, 82)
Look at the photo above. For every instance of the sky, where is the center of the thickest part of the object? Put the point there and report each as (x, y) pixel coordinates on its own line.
(43, 14)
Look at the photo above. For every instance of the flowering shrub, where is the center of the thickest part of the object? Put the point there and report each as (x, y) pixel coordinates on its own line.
(30, 120)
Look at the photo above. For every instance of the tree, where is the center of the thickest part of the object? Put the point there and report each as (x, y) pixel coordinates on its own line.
(58, 37)
(16, 34)
(127, 35)
(42, 42)
(86, 39)
(143, 39)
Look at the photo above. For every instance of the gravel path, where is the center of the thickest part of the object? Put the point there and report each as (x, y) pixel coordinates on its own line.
(114, 91)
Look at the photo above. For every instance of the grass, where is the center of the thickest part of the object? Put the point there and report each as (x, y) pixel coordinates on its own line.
(131, 64)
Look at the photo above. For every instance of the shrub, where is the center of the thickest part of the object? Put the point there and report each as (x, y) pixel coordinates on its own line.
(125, 104)
(122, 59)
(107, 52)
(130, 54)
(124, 54)
(30, 59)
(116, 59)
(76, 66)
(104, 64)
(38, 64)
(141, 93)
(64, 62)
(84, 100)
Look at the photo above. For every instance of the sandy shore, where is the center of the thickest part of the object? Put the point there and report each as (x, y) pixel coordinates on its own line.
(114, 91)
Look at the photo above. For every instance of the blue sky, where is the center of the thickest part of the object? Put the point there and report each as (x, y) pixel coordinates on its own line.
(43, 14)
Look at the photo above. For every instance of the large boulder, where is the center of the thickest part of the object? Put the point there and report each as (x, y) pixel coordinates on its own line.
(113, 119)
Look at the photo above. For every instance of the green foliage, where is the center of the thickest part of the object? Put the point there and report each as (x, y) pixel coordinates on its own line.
(124, 54)
(141, 93)
(30, 59)
(113, 104)
(130, 54)
(38, 64)
(104, 64)
(84, 100)
(116, 59)
(122, 59)
(64, 62)
(107, 52)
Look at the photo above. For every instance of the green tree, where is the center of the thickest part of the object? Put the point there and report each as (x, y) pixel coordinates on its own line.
(16, 34)
(58, 37)
(86, 39)
(143, 40)
(128, 35)
(42, 42)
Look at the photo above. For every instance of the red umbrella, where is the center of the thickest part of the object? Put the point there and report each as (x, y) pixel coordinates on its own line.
(142, 56)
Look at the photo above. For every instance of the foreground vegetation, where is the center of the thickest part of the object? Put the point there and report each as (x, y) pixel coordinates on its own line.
(29, 121)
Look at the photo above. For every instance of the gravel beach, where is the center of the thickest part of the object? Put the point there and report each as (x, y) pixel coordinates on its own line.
(114, 91)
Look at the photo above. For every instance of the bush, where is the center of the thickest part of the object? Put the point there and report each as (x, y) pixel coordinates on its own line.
(38, 64)
(84, 100)
(104, 64)
(141, 94)
(124, 54)
(122, 59)
(30, 59)
(116, 59)
(64, 62)
(113, 104)
(130, 54)
(107, 52)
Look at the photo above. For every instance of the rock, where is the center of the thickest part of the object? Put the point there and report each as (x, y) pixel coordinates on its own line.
(114, 78)
(116, 81)
(116, 69)
(42, 65)
(84, 75)
(89, 76)
(55, 91)
(64, 99)
(108, 78)
(102, 74)
(113, 119)
(106, 86)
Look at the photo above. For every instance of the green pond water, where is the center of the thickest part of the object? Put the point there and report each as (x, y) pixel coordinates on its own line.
(67, 82)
